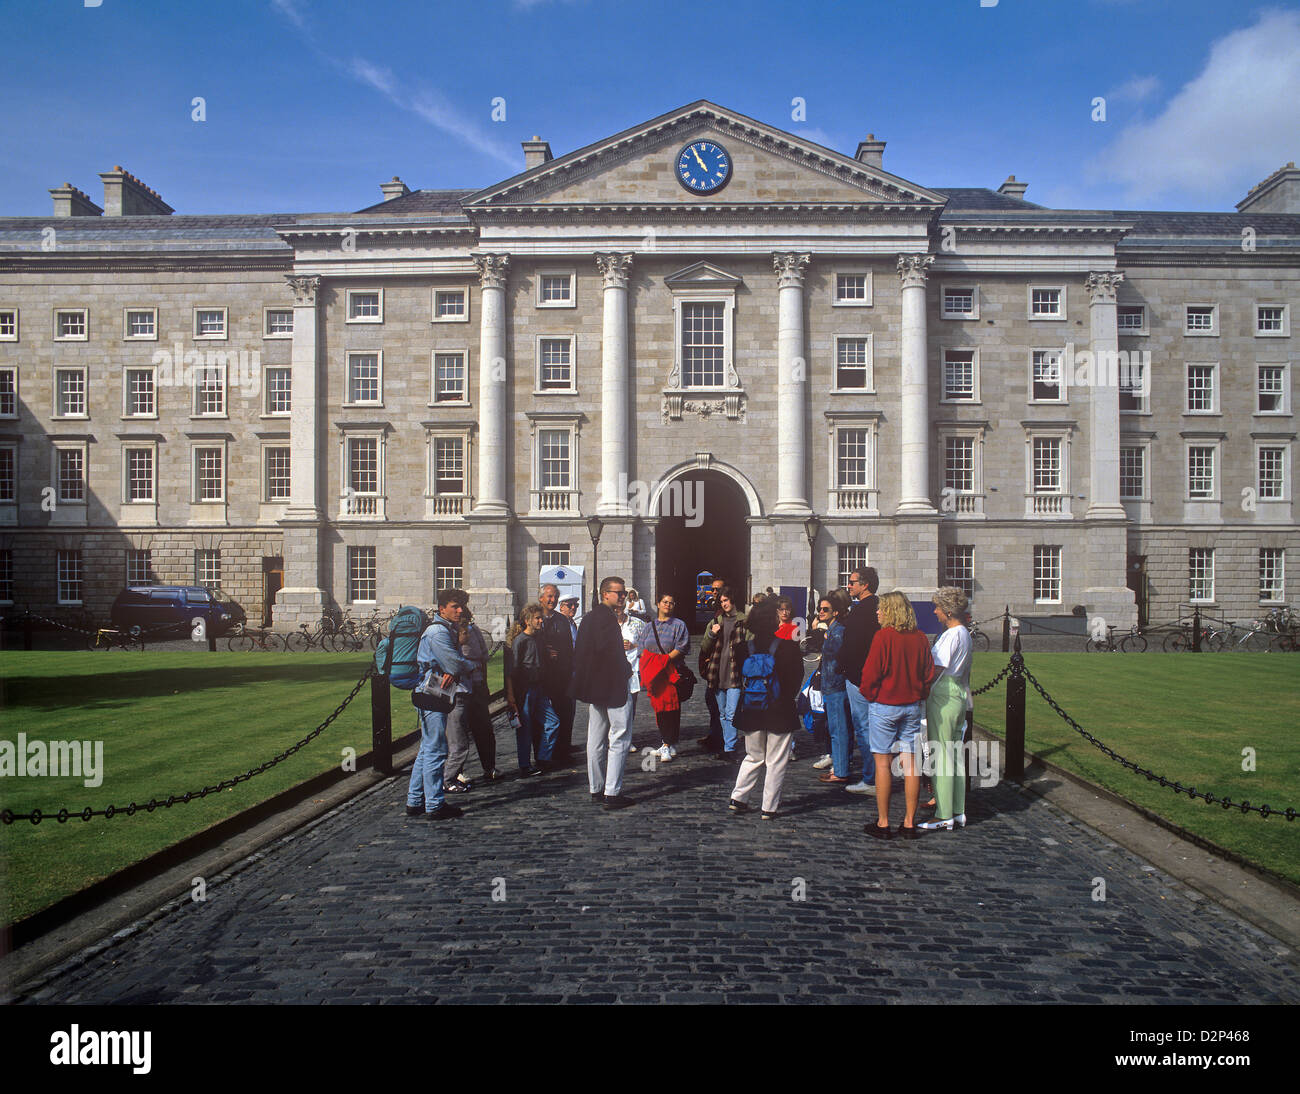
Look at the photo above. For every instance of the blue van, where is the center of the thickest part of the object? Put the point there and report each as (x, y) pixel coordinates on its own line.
(157, 609)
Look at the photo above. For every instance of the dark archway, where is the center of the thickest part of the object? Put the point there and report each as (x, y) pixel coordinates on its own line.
(702, 526)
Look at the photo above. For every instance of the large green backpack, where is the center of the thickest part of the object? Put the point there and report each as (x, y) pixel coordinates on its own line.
(395, 656)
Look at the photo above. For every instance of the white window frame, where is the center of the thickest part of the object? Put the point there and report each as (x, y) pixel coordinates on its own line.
(1061, 385)
(201, 373)
(458, 582)
(1213, 366)
(453, 503)
(1143, 331)
(1144, 397)
(946, 313)
(964, 503)
(711, 295)
(572, 341)
(1060, 314)
(1059, 556)
(1284, 404)
(571, 276)
(79, 558)
(10, 337)
(1216, 448)
(546, 500)
(132, 555)
(207, 559)
(1285, 495)
(378, 354)
(354, 555)
(266, 323)
(464, 399)
(152, 372)
(349, 313)
(10, 505)
(14, 372)
(1143, 448)
(442, 290)
(837, 301)
(152, 449)
(1285, 332)
(220, 336)
(1213, 332)
(267, 412)
(85, 392)
(869, 388)
(57, 448)
(561, 554)
(848, 560)
(84, 336)
(356, 504)
(853, 499)
(1048, 504)
(975, 376)
(1209, 553)
(203, 446)
(1280, 552)
(267, 450)
(966, 584)
(127, 336)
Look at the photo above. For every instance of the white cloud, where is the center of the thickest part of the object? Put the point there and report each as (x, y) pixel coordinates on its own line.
(381, 79)
(1136, 90)
(820, 136)
(1227, 128)
(291, 10)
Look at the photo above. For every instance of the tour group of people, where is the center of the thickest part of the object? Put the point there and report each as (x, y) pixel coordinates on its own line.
(876, 676)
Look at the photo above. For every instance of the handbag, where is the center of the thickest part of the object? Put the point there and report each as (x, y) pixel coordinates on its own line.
(686, 681)
(430, 696)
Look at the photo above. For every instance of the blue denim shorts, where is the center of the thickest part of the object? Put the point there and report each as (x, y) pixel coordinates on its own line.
(895, 729)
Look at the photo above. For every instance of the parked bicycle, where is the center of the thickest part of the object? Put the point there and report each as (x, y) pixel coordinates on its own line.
(246, 639)
(1133, 642)
(978, 639)
(110, 638)
(307, 637)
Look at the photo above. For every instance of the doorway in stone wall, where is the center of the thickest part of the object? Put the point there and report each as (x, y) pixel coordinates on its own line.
(272, 583)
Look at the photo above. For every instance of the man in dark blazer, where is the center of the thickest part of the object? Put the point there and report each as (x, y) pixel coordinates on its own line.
(859, 630)
(600, 678)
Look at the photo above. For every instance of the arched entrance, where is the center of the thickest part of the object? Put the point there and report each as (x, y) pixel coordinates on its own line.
(702, 516)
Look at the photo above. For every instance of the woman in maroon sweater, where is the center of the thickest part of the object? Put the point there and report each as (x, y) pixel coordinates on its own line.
(895, 681)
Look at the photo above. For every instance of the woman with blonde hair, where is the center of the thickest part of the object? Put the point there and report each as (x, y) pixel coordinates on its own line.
(895, 680)
(946, 709)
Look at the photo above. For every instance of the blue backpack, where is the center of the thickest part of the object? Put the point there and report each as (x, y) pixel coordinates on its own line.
(759, 687)
(395, 656)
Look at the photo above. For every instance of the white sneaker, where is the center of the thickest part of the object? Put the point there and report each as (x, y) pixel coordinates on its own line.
(631, 748)
(937, 825)
(861, 788)
(824, 762)
(960, 818)
(665, 754)
(673, 751)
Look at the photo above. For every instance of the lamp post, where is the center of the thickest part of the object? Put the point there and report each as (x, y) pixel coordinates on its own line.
(594, 527)
(811, 527)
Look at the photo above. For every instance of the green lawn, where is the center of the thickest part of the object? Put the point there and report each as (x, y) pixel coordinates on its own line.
(1185, 716)
(170, 722)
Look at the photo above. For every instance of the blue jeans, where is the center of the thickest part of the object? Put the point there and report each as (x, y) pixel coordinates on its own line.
(426, 773)
(840, 723)
(538, 726)
(724, 701)
(860, 712)
(896, 727)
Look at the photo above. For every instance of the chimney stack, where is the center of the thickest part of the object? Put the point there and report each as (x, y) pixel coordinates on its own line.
(395, 189)
(1013, 189)
(871, 152)
(126, 196)
(536, 152)
(1279, 193)
(71, 202)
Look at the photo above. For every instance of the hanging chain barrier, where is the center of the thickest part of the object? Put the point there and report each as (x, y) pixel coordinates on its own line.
(7, 816)
(135, 634)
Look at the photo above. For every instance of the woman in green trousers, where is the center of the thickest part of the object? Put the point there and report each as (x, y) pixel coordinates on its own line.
(945, 711)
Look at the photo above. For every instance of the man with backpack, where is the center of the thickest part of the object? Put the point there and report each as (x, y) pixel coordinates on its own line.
(438, 654)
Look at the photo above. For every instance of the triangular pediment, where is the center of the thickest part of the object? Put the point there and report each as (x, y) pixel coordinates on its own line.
(769, 167)
(702, 275)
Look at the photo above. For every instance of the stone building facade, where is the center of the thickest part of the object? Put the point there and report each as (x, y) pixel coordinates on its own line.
(1052, 408)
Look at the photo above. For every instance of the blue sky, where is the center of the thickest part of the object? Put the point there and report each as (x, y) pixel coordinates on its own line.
(310, 104)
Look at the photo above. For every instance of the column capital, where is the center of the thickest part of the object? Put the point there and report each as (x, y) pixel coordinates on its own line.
(789, 266)
(1102, 286)
(913, 270)
(614, 269)
(304, 290)
(492, 270)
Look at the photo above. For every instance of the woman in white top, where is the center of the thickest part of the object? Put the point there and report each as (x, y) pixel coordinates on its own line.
(635, 606)
(631, 628)
(946, 710)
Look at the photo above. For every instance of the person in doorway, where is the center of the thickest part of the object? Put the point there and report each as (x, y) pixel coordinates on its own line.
(859, 631)
(601, 673)
(664, 642)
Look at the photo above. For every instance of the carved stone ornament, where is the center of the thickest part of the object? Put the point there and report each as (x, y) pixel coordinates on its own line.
(913, 270)
(1102, 287)
(789, 266)
(730, 406)
(492, 270)
(614, 269)
(304, 290)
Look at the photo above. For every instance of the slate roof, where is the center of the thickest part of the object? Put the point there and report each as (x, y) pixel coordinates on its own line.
(980, 199)
(423, 202)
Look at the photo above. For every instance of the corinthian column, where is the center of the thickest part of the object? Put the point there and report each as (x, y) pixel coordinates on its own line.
(492, 373)
(792, 385)
(914, 492)
(304, 500)
(614, 386)
(1103, 402)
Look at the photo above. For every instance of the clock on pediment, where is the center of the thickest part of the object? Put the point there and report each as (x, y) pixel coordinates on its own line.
(703, 167)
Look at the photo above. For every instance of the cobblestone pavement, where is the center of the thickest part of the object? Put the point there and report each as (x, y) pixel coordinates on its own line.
(674, 900)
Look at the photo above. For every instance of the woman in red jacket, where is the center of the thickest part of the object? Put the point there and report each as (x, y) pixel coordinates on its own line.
(895, 681)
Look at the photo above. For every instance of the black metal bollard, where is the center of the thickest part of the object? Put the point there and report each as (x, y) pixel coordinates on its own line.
(1196, 630)
(1006, 629)
(1015, 764)
(381, 724)
(27, 631)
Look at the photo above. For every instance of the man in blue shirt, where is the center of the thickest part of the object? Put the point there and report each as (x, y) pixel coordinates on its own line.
(439, 650)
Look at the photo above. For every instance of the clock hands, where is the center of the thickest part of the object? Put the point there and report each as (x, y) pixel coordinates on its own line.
(696, 154)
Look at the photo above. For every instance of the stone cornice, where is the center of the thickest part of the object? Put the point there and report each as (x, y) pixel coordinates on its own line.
(600, 212)
(141, 262)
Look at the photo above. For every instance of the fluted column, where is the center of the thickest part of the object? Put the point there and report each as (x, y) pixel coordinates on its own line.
(1103, 403)
(792, 385)
(304, 465)
(614, 424)
(914, 485)
(492, 377)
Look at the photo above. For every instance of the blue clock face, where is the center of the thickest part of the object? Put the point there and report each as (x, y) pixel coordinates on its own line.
(703, 167)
